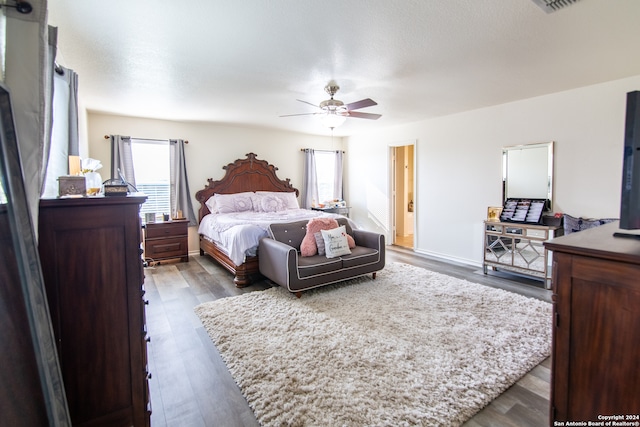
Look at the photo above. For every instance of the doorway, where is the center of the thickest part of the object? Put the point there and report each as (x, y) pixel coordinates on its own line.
(403, 191)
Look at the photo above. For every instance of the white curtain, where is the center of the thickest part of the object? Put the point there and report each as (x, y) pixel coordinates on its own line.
(309, 180)
(64, 132)
(180, 194)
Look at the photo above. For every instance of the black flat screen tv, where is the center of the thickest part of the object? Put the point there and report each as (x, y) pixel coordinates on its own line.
(630, 197)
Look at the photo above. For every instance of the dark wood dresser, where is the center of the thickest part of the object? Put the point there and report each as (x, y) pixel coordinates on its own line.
(90, 251)
(166, 240)
(596, 338)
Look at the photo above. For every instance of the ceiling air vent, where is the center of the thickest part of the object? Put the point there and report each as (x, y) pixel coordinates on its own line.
(553, 5)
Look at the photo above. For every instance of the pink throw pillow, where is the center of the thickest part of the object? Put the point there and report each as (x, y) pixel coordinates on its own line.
(308, 247)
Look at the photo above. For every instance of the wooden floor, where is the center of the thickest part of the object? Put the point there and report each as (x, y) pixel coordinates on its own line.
(191, 386)
(404, 241)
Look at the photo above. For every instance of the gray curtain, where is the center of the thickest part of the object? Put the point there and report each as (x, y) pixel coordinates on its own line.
(180, 194)
(337, 178)
(71, 77)
(310, 180)
(122, 159)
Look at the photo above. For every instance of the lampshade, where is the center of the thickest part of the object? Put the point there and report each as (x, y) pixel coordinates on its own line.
(332, 119)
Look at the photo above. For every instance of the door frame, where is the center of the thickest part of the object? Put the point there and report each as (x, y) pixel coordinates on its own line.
(393, 185)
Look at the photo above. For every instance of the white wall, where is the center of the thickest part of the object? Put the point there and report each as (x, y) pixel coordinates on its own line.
(458, 164)
(211, 146)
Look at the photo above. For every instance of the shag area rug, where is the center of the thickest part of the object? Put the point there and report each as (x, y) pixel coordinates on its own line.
(412, 347)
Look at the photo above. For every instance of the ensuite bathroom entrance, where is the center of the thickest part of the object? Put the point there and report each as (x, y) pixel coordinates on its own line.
(403, 200)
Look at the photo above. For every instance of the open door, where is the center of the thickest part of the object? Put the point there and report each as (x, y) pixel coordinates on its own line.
(403, 194)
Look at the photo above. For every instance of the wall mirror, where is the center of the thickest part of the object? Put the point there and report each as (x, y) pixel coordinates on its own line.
(33, 389)
(527, 172)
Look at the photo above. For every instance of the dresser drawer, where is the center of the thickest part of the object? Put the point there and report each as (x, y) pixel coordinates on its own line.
(166, 229)
(171, 247)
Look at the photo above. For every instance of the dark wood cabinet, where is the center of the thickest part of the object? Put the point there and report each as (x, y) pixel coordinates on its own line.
(90, 251)
(596, 338)
(166, 240)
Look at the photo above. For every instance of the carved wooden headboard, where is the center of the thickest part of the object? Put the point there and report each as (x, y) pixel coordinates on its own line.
(248, 174)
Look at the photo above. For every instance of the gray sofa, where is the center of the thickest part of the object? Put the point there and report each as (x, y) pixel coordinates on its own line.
(280, 260)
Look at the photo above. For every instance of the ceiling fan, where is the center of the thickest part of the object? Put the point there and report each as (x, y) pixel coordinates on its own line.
(334, 112)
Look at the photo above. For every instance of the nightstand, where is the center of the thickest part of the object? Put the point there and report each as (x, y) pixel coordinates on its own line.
(166, 240)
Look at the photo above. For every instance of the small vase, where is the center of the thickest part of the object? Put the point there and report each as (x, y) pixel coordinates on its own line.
(93, 183)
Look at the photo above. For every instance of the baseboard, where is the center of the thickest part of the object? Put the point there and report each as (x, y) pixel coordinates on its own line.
(449, 258)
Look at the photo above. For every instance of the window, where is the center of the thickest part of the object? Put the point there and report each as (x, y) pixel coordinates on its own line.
(152, 172)
(325, 173)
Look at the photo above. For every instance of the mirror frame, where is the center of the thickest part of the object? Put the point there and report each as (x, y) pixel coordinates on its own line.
(29, 269)
(550, 167)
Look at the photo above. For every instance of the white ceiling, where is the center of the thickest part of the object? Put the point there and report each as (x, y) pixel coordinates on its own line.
(246, 62)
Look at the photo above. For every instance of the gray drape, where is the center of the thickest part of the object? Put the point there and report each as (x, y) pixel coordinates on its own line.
(180, 194)
(309, 180)
(71, 78)
(337, 177)
(122, 159)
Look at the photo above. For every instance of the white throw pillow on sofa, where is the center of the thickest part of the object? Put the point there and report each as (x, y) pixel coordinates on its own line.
(335, 242)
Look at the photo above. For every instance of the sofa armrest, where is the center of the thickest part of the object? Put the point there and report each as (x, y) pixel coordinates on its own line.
(276, 260)
(368, 239)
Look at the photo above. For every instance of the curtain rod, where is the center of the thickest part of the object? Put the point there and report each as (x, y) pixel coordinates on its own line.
(326, 151)
(143, 139)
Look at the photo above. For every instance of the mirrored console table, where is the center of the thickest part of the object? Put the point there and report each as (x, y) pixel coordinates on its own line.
(518, 248)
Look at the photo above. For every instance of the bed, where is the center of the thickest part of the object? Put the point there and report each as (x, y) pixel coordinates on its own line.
(235, 213)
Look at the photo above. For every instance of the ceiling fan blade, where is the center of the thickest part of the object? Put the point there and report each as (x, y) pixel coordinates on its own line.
(361, 104)
(359, 115)
(314, 105)
(301, 114)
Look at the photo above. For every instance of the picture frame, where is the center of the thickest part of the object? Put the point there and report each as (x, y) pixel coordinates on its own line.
(493, 213)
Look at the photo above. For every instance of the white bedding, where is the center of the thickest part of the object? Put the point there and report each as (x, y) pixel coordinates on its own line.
(239, 233)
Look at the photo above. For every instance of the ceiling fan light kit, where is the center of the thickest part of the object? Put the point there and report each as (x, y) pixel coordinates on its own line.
(332, 120)
(334, 112)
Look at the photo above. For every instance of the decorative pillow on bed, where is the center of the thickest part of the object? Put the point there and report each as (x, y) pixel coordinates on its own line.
(289, 199)
(335, 242)
(309, 247)
(273, 201)
(228, 203)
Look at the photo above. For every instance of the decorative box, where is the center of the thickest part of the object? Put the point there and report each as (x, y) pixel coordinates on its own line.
(72, 186)
(116, 189)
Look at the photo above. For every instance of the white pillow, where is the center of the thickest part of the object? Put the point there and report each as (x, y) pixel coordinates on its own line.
(228, 203)
(289, 199)
(335, 242)
(211, 204)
